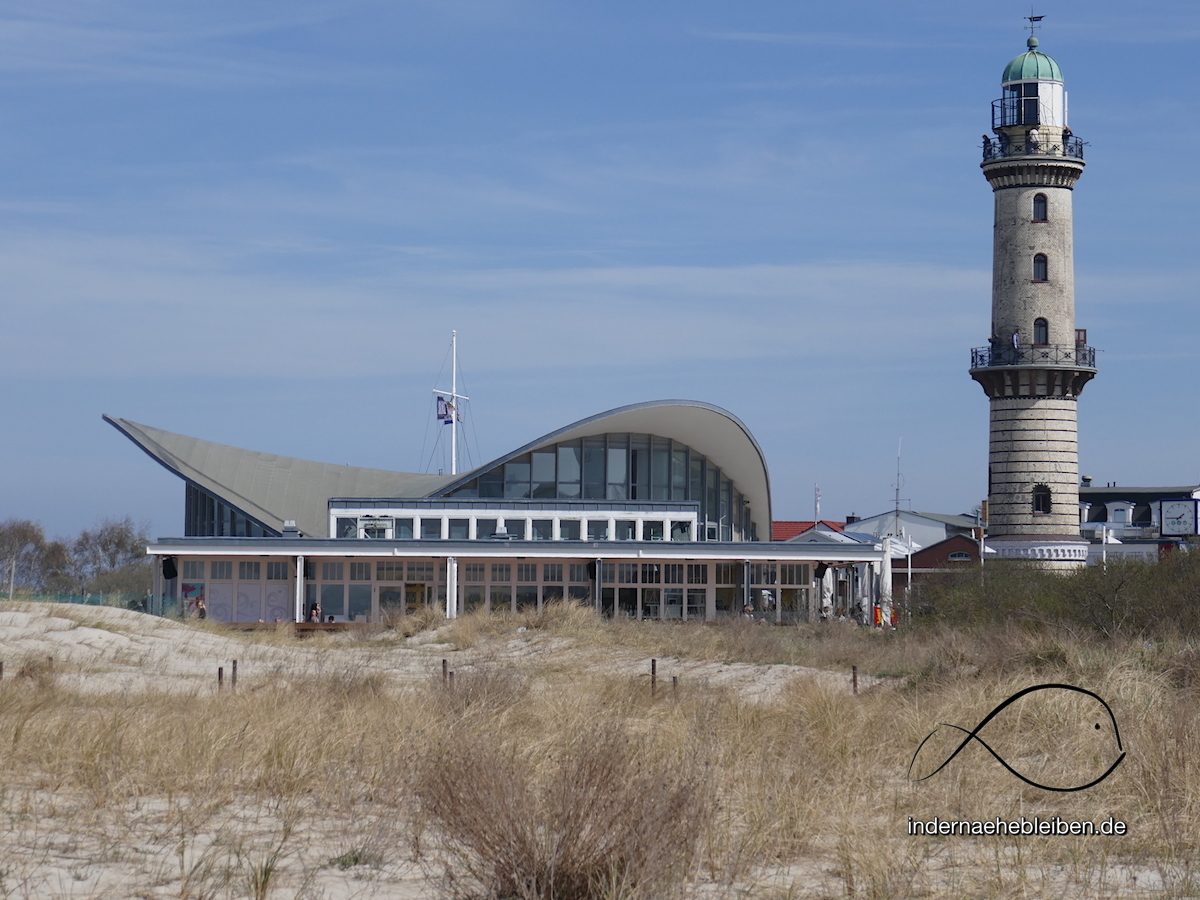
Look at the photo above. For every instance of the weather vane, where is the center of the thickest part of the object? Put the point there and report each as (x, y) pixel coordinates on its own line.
(1033, 20)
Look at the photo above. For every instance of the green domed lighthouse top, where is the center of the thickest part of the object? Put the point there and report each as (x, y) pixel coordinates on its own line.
(1032, 65)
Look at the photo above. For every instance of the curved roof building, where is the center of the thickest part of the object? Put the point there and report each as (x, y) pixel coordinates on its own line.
(662, 450)
(659, 509)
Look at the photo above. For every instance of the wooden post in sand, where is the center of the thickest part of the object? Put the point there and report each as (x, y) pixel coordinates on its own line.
(653, 677)
(854, 678)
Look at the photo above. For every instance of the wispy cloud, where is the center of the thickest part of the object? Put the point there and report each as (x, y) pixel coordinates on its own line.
(136, 306)
(803, 39)
(145, 42)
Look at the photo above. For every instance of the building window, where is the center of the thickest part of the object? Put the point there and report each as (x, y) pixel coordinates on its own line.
(460, 529)
(552, 573)
(1041, 331)
(568, 530)
(729, 573)
(1041, 499)
(543, 529)
(193, 570)
(431, 529)
(579, 573)
(501, 572)
(420, 571)
(376, 529)
(763, 573)
(1041, 271)
(359, 571)
(626, 530)
(793, 573)
(249, 571)
(697, 573)
(651, 573)
(527, 573)
(331, 571)
(473, 572)
(279, 571)
(1039, 208)
(389, 571)
(673, 573)
(597, 530)
(627, 573)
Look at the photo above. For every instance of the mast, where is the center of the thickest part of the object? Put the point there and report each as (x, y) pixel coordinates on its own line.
(452, 397)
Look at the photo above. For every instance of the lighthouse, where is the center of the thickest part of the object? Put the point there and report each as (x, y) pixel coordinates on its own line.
(1036, 362)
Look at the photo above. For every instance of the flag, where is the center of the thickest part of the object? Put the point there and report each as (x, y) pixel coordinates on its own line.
(443, 409)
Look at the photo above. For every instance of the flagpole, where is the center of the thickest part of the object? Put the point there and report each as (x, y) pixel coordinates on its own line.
(450, 401)
(454, 396)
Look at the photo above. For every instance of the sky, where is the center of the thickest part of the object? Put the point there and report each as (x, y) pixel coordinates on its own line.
(258, 223)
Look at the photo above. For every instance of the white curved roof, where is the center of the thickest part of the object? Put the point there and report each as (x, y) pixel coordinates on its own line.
(272, 489)
(708, 429)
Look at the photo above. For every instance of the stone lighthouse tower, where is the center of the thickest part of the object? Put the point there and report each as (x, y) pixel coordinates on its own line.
(1036, 362)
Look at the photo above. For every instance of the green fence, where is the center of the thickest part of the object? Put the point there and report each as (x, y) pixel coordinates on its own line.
(153, 604)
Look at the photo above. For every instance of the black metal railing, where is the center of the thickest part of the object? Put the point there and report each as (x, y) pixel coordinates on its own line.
(1003, 148)
(1049, 355)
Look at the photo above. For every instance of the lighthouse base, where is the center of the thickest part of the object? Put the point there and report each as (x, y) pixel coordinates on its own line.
(1058, 553)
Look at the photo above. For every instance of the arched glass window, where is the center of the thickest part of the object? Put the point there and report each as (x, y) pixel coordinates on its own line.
(1039, 207)
(1041, 331)
(618, 467)
(1041, 270)
(1041, 499)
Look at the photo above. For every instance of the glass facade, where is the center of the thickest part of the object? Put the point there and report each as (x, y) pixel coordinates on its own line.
(622, 467)
(206, 516)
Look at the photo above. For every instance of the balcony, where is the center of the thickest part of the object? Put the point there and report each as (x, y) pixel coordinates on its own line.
(1070, 147)
(1055, 356)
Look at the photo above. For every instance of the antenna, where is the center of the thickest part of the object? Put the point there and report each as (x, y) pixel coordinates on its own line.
(899, 477)
(898, 485)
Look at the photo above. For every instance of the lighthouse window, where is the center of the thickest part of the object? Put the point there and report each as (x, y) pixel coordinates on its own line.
(1040, 269)
(1041, 331)
(1039, 208)
(1041, 499)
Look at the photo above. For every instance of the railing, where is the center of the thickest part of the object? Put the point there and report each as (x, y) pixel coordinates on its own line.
(1048, 355)
(1071, 147)
(1123, 532)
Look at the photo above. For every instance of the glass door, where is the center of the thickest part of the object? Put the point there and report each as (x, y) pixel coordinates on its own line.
(651, 603)
(414, 598)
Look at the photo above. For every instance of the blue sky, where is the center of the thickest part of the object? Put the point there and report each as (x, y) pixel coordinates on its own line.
(258, 222)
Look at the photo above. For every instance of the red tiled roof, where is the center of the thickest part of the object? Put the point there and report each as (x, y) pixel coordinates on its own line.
(785, 529)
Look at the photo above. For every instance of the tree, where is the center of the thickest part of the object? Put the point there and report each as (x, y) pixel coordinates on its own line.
(111, 558)
(21, 544)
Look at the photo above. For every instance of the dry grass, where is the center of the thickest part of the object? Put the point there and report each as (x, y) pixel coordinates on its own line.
(536, 780)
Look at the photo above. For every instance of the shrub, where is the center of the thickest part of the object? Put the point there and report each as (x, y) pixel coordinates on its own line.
(604, 818)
